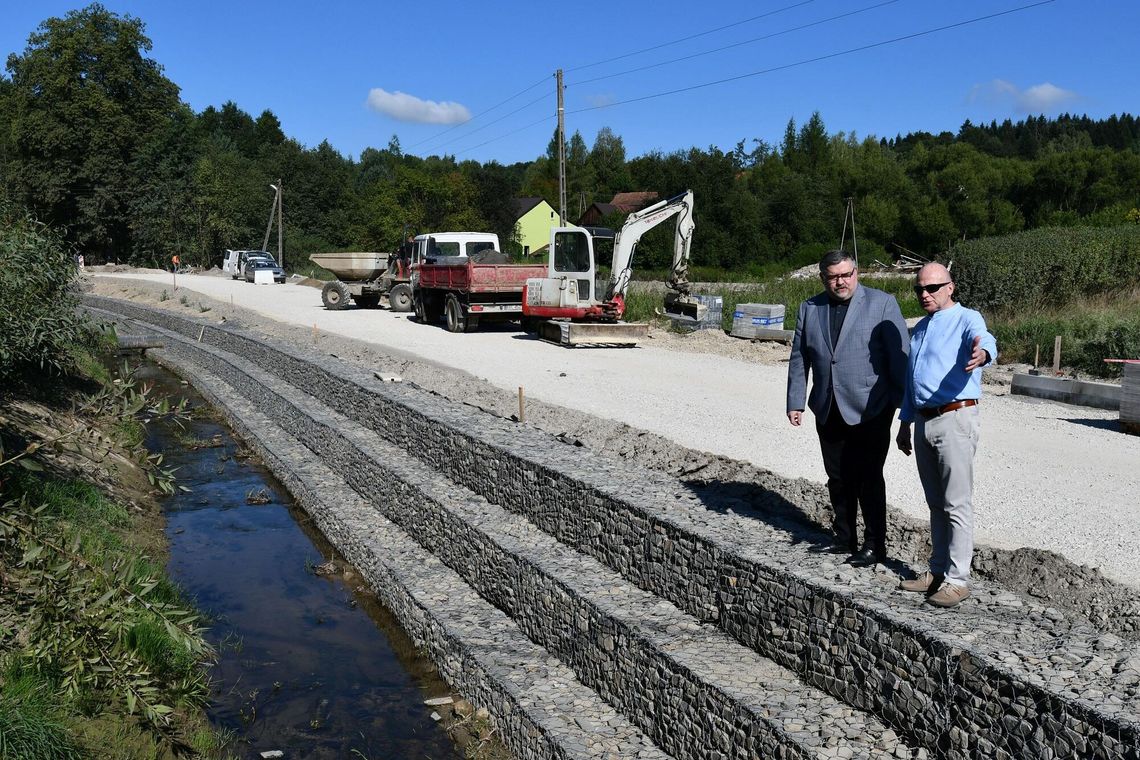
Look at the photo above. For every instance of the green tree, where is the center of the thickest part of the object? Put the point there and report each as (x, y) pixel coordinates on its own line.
(84, 97)
(607, 161)
(580, 177)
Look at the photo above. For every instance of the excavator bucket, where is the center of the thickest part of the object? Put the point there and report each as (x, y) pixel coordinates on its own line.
(683, 307)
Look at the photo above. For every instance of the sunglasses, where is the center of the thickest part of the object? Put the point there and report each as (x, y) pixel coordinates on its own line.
(931, 289)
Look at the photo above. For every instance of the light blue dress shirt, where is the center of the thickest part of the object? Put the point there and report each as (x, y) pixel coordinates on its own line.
(940, 347)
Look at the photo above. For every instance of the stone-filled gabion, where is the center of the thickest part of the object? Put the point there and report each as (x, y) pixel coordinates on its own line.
(947, 682)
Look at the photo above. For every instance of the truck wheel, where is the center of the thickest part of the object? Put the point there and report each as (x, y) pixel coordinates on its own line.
(367, 302)
(453, 311)
(335, 295)
(418, 307)
(400, 297)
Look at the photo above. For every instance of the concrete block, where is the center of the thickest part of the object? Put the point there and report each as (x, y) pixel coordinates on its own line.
(1067, 390)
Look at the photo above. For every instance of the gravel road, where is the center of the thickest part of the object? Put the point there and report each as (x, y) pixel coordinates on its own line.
(1048, 475)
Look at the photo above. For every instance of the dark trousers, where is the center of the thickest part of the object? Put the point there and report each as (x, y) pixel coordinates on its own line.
(853, 457)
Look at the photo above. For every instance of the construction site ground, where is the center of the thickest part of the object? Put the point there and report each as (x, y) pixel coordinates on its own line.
(1055, 485)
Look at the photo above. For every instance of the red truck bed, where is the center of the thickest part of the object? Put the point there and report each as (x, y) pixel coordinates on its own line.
(479, 279)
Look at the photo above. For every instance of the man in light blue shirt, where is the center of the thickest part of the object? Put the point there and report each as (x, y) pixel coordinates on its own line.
(948, 348)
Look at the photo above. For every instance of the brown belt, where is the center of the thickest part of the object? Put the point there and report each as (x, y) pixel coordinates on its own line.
(953, 406)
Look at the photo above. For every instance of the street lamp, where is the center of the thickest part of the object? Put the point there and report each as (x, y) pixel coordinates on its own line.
(276, 207)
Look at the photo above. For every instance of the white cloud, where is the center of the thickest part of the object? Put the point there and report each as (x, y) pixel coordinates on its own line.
(1040, 98)
(1044, 97)
(404, 107)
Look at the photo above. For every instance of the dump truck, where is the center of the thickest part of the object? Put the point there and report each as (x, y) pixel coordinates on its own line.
(568, 307)
(367, 278)
(464, 278)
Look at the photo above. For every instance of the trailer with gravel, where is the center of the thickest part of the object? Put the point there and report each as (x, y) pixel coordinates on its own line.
(367, 278)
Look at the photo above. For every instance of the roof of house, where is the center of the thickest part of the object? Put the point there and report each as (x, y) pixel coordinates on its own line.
(605, 209)
(634, 201)
(524, 205)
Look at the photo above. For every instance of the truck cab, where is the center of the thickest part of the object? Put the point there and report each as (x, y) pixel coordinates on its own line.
(436, 245)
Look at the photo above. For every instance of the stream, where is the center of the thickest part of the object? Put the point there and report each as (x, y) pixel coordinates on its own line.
(309, 662)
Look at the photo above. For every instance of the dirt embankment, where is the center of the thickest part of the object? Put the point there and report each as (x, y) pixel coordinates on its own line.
(720, 481)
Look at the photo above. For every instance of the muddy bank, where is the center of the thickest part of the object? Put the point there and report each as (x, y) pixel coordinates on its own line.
(723, 482)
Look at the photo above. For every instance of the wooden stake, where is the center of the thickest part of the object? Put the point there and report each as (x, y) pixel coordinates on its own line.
(314, 332)
(1057, 355)
(522, 416)
(1037, 357)
(201, 330)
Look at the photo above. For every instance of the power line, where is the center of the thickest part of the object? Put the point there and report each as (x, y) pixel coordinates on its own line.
(737, 44)
(690, 37)
(816, 59)
(508, 134)
(481, 113)
(590, 65)
(795, 64)
(496, 121)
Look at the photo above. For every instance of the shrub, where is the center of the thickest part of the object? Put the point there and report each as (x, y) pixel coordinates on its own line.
(1046, 267)
(38, 321)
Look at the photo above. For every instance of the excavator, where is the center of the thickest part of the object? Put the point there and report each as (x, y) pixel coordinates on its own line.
(564, 307)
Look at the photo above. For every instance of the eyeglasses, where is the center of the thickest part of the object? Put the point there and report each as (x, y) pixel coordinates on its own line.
(840, 276)
(931, 289)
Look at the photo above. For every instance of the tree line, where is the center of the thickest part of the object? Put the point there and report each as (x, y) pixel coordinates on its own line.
(96, 141)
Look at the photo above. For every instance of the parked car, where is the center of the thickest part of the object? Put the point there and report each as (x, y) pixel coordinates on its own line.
(255, 265)
(233, 263)
(246, 259)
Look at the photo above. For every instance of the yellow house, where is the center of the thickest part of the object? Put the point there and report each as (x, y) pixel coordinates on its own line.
(534, 218)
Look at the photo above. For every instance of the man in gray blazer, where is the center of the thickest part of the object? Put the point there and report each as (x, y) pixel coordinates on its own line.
(853, 341)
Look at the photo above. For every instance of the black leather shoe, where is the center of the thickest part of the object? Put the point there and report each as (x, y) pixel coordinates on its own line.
(832, 549)
(866, 557)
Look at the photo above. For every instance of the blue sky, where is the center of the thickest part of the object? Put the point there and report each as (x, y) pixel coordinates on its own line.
(357, 73)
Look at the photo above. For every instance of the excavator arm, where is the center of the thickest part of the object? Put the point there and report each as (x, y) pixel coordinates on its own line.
(680, 302)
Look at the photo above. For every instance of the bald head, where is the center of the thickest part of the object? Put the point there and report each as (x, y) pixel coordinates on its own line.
(934, 287)
(934, 270)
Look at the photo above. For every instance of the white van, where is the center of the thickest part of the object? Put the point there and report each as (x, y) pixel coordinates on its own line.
(233, 263)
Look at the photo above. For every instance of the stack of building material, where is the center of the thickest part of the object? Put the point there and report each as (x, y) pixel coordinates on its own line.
(1130, 397)
(713, 318)
(757, 320)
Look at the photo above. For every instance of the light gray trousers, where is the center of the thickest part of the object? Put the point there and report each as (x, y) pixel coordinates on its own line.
(944, 449)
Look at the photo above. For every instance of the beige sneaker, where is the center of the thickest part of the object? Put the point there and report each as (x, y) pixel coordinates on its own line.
(927, 583)
(948, 595)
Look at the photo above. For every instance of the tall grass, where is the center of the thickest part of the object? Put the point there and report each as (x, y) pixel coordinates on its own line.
(1091, 329)
(32, 726)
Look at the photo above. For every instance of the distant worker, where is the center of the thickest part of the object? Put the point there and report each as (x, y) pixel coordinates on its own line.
(175, 261)
(944, 384)
(853, 341)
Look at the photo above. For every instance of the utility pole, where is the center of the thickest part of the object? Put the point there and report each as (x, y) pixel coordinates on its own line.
(850, 214)
(280, 224)
(561, 153)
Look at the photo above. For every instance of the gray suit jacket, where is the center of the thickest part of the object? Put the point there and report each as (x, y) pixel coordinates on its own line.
(867, 369)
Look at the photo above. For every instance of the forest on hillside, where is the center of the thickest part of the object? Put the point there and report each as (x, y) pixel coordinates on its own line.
(95, 140)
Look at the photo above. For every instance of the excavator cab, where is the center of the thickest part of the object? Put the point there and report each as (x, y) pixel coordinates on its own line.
(573, 261)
